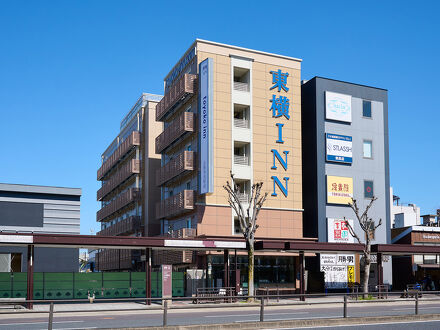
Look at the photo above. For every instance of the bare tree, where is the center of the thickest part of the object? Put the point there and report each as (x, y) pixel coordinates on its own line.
(369, 228)
(247, 219)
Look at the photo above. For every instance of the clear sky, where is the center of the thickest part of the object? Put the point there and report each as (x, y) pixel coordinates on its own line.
(70, 71)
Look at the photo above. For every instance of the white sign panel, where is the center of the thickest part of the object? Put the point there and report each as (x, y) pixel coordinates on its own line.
(338, 106)
(339, 148)
(335, 268)
(337, 231)
(206, 126)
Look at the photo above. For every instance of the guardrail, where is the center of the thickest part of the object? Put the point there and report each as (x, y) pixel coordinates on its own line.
(259, 301)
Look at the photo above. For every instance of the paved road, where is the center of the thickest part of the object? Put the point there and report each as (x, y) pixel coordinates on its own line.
(94, 320)
(380, 326)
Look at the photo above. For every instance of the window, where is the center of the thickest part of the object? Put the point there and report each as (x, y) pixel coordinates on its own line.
(368, 149)
(188, 185)
(189, 147)
(368, 189)
(366, 109)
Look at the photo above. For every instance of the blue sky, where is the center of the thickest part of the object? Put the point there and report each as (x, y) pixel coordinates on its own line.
(70, 70)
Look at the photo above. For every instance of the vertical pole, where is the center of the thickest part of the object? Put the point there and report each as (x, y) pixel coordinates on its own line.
(148, 275)
(30, 276)
(165, 313)
(49, 326)
(262, 309)
(379, 274)
(417, 303)
(345, 306)
(226, 267)
(237, 278)
(302, 288)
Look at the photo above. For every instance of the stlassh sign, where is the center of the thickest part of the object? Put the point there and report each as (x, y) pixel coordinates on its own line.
(337, 231)
(339, 189)
(338, 107)
(206, 126)
(339, 148)
(280, 109)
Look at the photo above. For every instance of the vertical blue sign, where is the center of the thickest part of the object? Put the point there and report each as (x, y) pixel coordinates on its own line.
(206, 126)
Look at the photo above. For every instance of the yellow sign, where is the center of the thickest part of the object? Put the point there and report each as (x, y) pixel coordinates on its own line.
(339, 189)
(350, 275)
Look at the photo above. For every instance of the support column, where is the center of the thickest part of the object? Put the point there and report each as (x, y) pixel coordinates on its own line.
(302, 289)
(226, 283)
(379, 269)
(148, 275)
(30, 276)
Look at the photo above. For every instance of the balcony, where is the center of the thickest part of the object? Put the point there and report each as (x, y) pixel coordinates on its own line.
(241, 123)
(127, 197)
(175, 167)
(184, 123)
(124, 227)
(175, 205)
(183, 233)
(116, 259)
(241, 160)
(185, 86)
(243, 197)
(241, 86)
(131, 167)
(133, 140)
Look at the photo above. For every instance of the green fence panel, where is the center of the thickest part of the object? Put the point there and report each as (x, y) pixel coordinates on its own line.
(138, 276)
(5, 293)
(116, 276)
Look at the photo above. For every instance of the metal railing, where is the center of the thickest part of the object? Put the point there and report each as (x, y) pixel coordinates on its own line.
(185, 161)
(185, 122)
(125, 198)
(241, 86)
(243, 197)
(241, 160)
(241, 123)
(253, 301)
(176, 204)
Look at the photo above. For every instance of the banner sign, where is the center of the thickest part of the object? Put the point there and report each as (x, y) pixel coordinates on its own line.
(338, 107)
(167, 281)
(337, 231)
(206, 126)
(339, 189)
(350, 275)
(339, 148)
(336, 268)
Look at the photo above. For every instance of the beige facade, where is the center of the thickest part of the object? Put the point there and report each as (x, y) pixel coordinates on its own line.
(245, 133)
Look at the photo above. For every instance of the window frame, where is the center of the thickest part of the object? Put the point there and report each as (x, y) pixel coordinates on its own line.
(371, 144)
(371, 109)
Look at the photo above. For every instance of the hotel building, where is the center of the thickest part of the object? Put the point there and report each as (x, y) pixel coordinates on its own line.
(128, 192)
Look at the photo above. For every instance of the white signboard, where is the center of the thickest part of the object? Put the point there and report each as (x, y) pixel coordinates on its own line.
(335, 268)
(339, 148)
(338, 106)
(337, 231)
(206, 126)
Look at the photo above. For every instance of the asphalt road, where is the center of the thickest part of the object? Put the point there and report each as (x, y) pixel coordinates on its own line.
(96, 320)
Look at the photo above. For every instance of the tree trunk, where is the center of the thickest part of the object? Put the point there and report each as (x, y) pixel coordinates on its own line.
(251, 271)
(366, 276)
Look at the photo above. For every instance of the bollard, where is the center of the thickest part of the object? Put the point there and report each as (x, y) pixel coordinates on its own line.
(345, 306)
(165, 312)
(49, 326)
(417, 303)
(262, 310)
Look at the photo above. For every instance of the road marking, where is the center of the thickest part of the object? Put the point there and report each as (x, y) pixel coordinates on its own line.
(354, 324)
(292, 318)
(411, 309)
(268, 314)
(1, 324)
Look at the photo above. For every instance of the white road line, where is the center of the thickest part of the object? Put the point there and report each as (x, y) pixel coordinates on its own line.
(268, 314)
(292, 318)
(354, 324)
(24, 323)
(411, 309)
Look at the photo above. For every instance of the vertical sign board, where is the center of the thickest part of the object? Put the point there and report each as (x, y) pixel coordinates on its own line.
(337, 231)
(167, 281)
(206, 120)
(339, 189)
(339, 148)
(338, 107)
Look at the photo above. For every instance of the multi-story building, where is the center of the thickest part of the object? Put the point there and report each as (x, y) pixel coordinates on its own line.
(403, 214)
(128, 193)
(227, 108)
(345, 155)
(43, 210)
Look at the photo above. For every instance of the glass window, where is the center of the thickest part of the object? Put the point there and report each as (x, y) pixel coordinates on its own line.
(368, 189)
(368, 149)
(366, 109)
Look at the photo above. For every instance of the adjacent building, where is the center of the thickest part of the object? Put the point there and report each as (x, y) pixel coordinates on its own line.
(403, 215)
(345, 155)
(128, 192)
(39, 209)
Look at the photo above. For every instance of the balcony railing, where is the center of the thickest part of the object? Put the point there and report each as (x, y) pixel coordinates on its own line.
(133, 140)
(241, 123)
(241, 86)
(116, 259)
(123, 227)
(127, 197)
(183, 233)
(182, 124)
(131, 167)
(175, 205)
(185, 86)
(185, 161)
(241, 160)
(243, 197)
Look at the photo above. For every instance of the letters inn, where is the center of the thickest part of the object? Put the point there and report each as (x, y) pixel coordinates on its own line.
(313, 144)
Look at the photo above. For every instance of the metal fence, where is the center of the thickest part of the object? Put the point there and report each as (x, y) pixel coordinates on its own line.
(259, 301)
